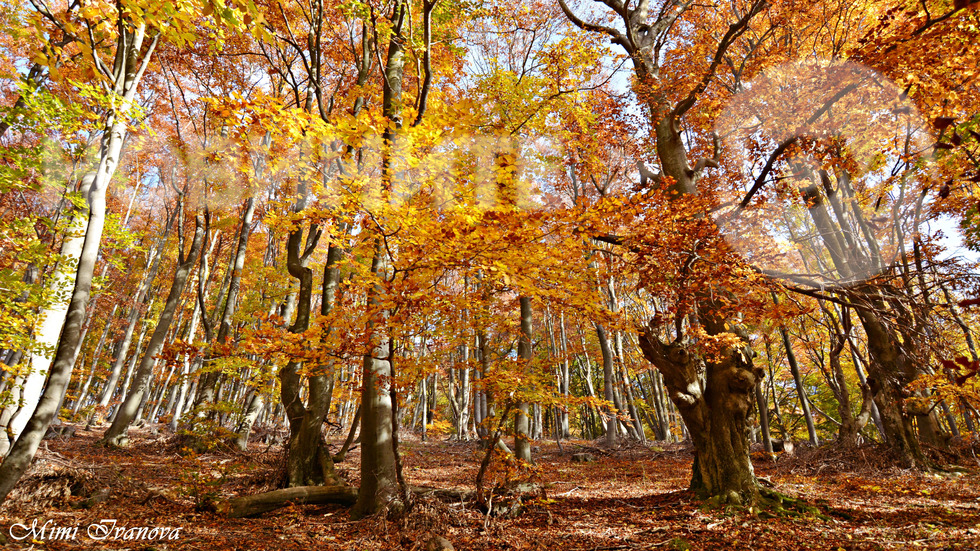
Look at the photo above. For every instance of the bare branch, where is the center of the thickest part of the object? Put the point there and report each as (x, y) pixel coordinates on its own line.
(426, 59)
(617, 37)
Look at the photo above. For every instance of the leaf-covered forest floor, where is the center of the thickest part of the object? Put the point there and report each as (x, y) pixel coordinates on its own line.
(634, 497)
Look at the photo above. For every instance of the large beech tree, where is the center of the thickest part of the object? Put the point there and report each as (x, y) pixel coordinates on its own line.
(714, 393)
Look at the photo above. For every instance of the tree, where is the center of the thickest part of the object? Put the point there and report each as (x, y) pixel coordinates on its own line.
(135, 32)
(714, 393)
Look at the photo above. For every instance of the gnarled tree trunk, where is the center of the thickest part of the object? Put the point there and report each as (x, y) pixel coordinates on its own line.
(715, 399)
(714, 396)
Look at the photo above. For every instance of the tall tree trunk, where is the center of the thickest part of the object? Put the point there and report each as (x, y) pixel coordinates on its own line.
(522, 443)
(51, 320)
(462, 402)
(131, 366)
(129, 66)
(308, 462)
(379, 484)
(887, 382)
(379, 475)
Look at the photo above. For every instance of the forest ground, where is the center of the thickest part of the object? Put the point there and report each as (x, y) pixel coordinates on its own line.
(630, 498)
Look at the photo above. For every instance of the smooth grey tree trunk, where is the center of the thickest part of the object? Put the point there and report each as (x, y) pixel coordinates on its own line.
(379, 484)
(612, 423)
(128, 68)
(522, 443)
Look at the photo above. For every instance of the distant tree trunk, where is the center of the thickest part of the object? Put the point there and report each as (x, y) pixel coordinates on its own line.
(556, 410)
(891, 367)
(760, 400)
(189, 367)
(423, 407)
(565, 376)
(463, 392)
(131, 366)
(208, 383)
(256, 404)
(116, 435)
(850, 424)
(656, 420)
(636, 425)
(95, 358)
(122, 354)
(866, 394)
(586, 374)
(794, 368)
(612, 423)
(480, 415)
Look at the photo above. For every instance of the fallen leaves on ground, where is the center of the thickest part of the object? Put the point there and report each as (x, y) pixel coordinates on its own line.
(634, 497)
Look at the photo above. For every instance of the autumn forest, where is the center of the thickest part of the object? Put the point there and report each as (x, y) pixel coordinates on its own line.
(490, 274)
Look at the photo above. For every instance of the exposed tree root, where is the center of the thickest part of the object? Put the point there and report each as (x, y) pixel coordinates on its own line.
(769, 504)
(776, 504)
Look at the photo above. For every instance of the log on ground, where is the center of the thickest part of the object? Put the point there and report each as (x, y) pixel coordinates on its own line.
(248, 506)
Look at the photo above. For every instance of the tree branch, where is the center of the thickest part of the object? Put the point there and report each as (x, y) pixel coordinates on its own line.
(735, 30)
(616, 36)
(426, 58)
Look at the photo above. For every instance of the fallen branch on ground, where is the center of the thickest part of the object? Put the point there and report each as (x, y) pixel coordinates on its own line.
(248, 506)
